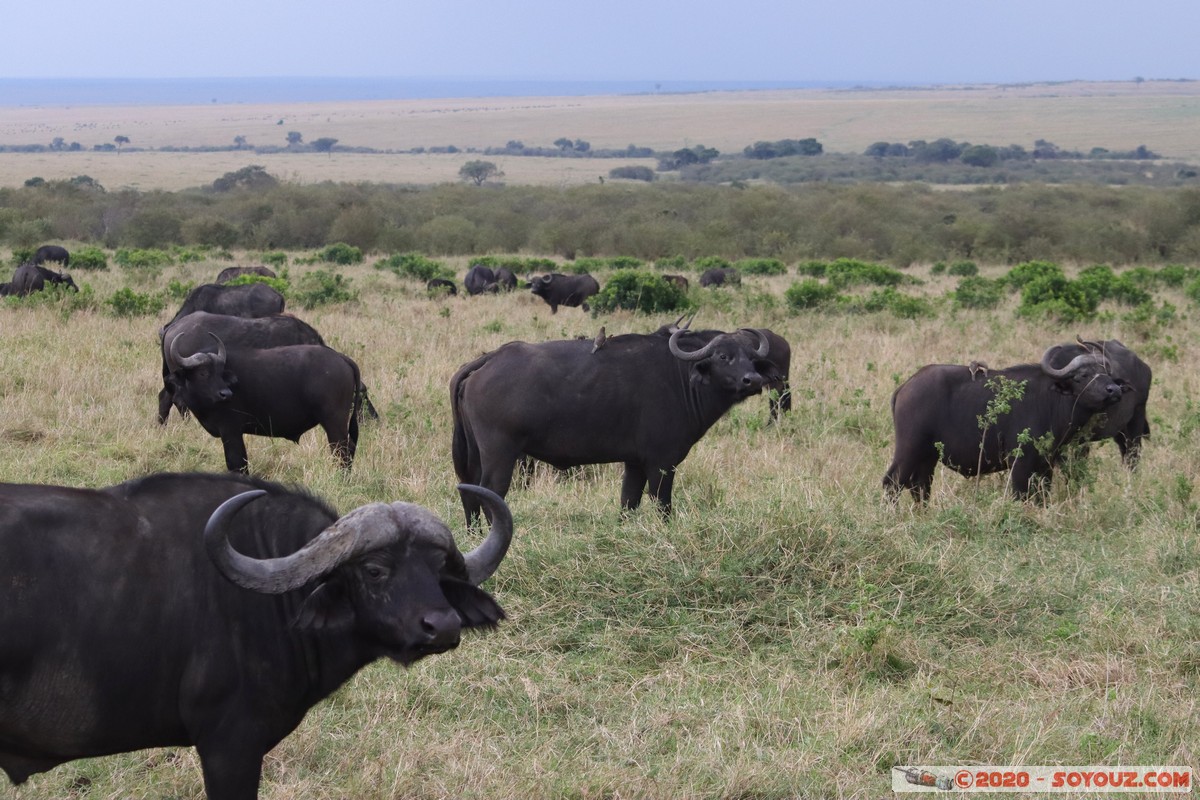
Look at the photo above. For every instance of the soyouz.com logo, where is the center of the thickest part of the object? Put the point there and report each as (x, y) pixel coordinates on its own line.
(1162, 780)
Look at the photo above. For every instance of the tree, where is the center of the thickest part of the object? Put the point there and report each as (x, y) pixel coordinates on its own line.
(980, 155)
(121, 140)
(324, 145)
(239, 142)
(294, 138)
(479, 171)
(563, 143)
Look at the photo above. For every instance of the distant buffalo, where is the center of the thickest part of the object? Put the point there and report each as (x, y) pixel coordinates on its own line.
(52, 252)
(230, 273)
(441, 285)
(481, 279)
(677, 280)
(565, 290)
(720, 276)
(30, 278)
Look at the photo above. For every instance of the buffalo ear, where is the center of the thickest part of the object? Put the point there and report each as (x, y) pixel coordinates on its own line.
(701, 371)
(326, 609)
(476, 607)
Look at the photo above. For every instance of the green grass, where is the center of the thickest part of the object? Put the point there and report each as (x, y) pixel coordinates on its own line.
(786, 634)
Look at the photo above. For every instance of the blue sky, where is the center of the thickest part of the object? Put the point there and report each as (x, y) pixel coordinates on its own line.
(920, 41)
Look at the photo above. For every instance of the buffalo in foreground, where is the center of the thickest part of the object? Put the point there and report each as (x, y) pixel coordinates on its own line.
(642, 400)
(564, 290)
(282, 392)
(213, 611)
(248, 300)
(942, 413)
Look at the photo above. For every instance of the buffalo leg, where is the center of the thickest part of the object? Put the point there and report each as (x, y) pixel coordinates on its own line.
(166, 399)
(633, 484)
(918, 479)
(235, 453)
(343, 446)
(496, 475)
(229, 773)
(661, 480)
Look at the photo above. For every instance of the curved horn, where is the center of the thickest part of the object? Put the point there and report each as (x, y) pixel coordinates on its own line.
(1076, 363)
(195, 359)
(695, 355)
(365, 528)
(764, 344)
(484, 559)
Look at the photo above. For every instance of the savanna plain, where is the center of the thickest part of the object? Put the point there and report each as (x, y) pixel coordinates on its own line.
(787, 633)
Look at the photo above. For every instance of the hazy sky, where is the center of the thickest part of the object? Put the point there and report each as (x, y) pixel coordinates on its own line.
(655, 40)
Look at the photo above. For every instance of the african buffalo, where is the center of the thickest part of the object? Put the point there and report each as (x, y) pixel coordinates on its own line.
(213, 611)
(480, 279)
(52, 252)
(282, 392)
(942, 414)
(641, 399)
(249, 300)
(231, 273)
(30, 278)
(1125, 423)
(720, 276)
(5, 289)
(565, 290)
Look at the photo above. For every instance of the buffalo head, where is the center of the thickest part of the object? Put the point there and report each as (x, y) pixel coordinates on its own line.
(201, 379)
(724, 361)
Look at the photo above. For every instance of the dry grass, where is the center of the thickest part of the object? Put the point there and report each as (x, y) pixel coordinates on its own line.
(1164, 116)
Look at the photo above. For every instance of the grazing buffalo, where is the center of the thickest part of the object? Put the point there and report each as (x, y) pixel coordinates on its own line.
(441, 286)
(480, 279)
(250, 300)
(720, 276)
(282, 392)
(30, 278)
(938, 411)
(231, 273)
(642, 399)
(678, 281)
(565, 290)
(213, 611)
(1125, 423)
(52, 252)
(6, 289)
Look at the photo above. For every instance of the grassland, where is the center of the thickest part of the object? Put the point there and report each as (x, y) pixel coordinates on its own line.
(787, 634)
(1163, 115)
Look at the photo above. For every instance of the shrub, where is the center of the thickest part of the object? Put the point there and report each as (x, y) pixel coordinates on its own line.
(978, 292)
(415, 265)
(280, 284)
(639, 290)
(673, 263)
(810, 293)
(178, 290)
(1021, 274)
(142, 258)
(938, 268)
(1056, 296)
(846, 272)
(815, 269)
(1175, 275)
(322, 287)
(963, 269)
(340, 253)
(761, 266)
(710, 262)
(633, 173)
(902, 305)
(274, 259)
(89, 258)
(128, 303)
(22, 255)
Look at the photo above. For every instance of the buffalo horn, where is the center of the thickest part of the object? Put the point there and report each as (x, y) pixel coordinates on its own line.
(695, 355)
(484, 559)
(1076, 363)
(196, 359)
(764, 344)
(366, 528)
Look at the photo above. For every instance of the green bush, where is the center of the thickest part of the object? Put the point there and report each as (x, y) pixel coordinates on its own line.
(673, 263)
(639, 290)
(415, 265)
(1176, 275)
(963, 269)
(939, 268)
(761, 266)
(810, 293)
(22, 255)
(178, 290)
(321, 287)
(710, 262)
(128, 303)
(274, 259)
(279, 284)
(1056, 296)
(138, 258)
(633, 173)
(1021, 274)
(89, 258)
(340, 253)
(845, 272)
(814, 269)
(978, 292)
(1192, 290)
(902, 305)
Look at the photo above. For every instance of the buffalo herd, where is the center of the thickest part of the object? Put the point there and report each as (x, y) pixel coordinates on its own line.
(257, 601)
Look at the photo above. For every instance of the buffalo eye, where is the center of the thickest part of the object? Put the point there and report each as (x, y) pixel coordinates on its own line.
(376, 573)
